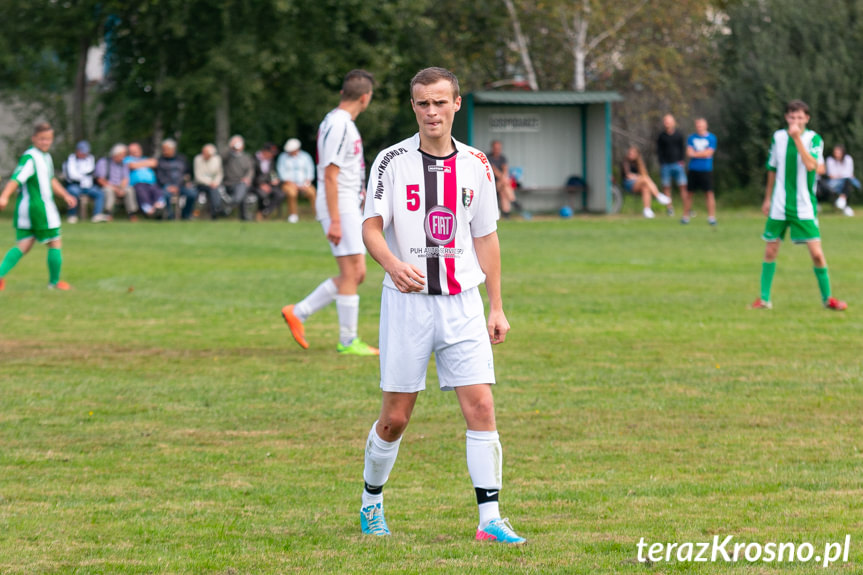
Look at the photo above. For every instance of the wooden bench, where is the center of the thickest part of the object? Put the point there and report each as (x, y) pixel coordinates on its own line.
(549, 199)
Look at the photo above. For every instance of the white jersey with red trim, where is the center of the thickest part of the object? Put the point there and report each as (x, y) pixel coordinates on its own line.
(432, 208)
(339, 143)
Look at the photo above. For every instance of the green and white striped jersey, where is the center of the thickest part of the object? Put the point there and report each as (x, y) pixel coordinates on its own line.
(794, 190)
(35, 208)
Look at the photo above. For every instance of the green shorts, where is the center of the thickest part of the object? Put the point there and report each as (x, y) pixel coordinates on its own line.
(42, 236)
(802, 231)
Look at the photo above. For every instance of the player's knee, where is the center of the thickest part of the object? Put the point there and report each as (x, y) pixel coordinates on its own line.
(482, 408)
(358, 272)
(391, 426)
(819, 260)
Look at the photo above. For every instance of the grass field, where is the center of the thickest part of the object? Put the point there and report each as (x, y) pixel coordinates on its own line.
(160, 419)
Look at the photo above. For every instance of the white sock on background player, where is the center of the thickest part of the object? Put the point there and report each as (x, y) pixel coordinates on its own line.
(380, 458)
(348, 307)
(321, 297)
(485, 464)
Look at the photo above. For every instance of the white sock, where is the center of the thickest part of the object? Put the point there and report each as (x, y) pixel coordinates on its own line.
(348, 307)
(485, 465)
(487, 512)
(323, 296)
(379, 460)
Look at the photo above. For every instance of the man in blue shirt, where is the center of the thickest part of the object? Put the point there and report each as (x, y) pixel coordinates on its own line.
(142, 178)
(700, 148)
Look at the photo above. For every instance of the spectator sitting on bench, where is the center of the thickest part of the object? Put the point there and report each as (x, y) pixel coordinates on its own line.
(79, 168)
(638, 181)
(143, 180)
(172, 172)
(112, 175)
(266, 182)
(505, 190)
(239, 171)
(208, 177)
(296, 171)
(840, 176)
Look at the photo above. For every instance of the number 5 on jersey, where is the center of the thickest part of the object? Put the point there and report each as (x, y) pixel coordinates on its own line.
(413, 197)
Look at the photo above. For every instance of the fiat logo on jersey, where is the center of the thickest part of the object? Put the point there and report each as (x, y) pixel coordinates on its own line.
(440, 225)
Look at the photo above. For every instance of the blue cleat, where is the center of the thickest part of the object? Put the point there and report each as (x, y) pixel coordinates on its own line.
(372, 520)
(501, 531)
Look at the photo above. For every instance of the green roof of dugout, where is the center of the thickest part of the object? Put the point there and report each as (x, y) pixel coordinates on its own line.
(544, 98)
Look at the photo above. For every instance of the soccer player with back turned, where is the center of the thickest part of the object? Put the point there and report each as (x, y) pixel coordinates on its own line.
(341, 172)
(36, 215)
(796, 155)
(430, 221)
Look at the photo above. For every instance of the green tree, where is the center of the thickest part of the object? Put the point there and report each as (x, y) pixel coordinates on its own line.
(775, 51)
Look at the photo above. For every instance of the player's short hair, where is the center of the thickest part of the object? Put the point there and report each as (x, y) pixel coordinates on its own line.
(356, 84)
(117, 149)
(42, 127)
(210, 148)
(433, 75)
(170, 143)
(797, 106)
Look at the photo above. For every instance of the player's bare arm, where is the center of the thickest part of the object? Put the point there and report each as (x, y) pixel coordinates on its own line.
(488, 254)
(59, 190)
(331, 189)
(406, 277)
(768, 192)
(8, 190)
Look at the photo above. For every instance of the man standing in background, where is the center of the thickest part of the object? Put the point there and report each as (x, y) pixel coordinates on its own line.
(671, 150)
(700, 147)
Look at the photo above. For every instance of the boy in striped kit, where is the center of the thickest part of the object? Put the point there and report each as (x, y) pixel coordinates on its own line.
(36, 214)
(796, 156)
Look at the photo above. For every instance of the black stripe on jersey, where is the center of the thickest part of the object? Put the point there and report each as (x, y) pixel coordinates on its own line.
(432, 264)
(342, 143)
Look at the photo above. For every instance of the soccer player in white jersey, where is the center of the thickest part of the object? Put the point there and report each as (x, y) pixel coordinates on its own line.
(430, 221)
(36, 214)
(342, 170)
(796, 156)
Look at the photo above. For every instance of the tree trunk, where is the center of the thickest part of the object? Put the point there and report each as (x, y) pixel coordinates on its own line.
(578, 79)
(223, 117)
(158, 117)
(522, 46)
(79, 96)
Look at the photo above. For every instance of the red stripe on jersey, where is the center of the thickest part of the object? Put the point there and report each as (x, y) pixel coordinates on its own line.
(450, 200)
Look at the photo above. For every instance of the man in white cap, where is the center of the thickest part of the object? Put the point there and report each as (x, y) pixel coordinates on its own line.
(296, 170)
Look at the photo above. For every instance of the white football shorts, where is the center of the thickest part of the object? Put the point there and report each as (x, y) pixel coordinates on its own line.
(352, 234)
(453, 327)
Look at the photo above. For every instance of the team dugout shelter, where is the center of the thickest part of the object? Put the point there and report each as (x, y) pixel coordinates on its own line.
(557, 144)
